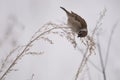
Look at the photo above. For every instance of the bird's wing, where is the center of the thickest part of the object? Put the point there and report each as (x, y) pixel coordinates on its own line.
(79, 19)
(75, 18)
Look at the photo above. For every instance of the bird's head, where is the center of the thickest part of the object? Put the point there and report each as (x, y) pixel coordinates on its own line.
(82, 33)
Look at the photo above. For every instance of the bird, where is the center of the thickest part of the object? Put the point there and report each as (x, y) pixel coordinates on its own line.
(76, 23)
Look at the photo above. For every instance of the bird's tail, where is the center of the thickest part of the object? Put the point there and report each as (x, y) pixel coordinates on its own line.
(68, 13)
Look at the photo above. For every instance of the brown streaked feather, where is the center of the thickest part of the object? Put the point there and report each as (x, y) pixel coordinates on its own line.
(75, 19)
(79, 19)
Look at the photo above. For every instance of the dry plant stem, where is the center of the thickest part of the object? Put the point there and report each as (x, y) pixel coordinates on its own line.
(24, 50)
(109, 43)
(83, 62)
(97, 68)
(85, 57)
(101, 60)
(107, 53)
(7, 57)
(14, 62)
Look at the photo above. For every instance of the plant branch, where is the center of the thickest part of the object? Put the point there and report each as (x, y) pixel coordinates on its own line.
(109, 43)
(101, 60)
(82, 64)
(24, 50)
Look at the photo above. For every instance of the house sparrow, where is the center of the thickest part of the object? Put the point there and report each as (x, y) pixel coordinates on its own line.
(76, 23)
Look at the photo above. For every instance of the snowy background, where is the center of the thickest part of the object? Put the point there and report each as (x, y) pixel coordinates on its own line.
(20, 19)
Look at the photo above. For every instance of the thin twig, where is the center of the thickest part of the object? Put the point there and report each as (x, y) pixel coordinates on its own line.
(90, 44)
(24, 50)
(7, 57)
(109, 43)
(97, 68)
(103, 65)
(82, 64)
(101, 60)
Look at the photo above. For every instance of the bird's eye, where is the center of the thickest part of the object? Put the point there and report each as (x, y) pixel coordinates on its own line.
(80, 34)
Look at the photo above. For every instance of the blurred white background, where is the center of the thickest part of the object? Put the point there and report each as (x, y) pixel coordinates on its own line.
(19, 19)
